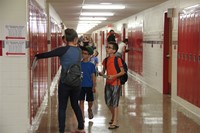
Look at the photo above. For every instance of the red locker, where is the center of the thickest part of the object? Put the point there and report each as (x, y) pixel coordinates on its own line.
(194, 51)
(189, 56)
(182, 50)
(198, 57)
(190, 68)
(186, 62)
(38, 43)
(179, 63)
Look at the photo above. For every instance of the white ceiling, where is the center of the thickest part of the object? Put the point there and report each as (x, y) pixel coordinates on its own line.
(69, 10)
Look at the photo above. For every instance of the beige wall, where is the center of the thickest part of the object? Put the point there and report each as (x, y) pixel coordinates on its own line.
(14, 73)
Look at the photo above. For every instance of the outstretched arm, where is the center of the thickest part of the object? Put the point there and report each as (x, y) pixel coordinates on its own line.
(56, 52)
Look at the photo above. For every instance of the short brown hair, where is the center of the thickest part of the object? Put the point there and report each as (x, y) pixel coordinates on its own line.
(115, 46)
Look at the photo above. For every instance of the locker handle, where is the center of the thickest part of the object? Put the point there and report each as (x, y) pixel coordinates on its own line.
(167, 55)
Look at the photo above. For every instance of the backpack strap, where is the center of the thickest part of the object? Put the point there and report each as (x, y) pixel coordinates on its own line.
(106, 60)
(116, 64)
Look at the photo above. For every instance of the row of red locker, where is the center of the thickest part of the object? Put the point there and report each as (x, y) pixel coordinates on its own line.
(38, 44)
(135, 55)
(189, 57)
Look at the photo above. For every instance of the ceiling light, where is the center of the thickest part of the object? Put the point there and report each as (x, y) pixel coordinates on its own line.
(192, 7)
(92, 6)
(106, 3)
(84, 28)
(97, 14)
(89, 22)
(92, 18)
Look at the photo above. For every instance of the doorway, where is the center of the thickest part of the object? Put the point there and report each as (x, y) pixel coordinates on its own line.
(167, 55)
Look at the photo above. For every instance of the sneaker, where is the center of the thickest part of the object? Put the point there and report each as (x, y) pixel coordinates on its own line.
(90, 114)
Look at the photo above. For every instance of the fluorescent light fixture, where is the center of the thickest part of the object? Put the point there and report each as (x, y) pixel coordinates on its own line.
(89, 22)
(192, 7)
(92, 18)
(97, 14)
(87, 25)
(106, 3)
(93, 6)
(84, 28)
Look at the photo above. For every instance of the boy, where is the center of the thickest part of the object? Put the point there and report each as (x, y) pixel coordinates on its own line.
(112, 87)
(88, 82)
(122, 48)
(69, 55)
(94, 59)
(111, 36)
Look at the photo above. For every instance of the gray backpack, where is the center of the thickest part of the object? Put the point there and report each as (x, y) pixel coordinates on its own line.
(73, 76)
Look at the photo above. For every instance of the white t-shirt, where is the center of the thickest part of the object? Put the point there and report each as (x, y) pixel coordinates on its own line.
(121, 47)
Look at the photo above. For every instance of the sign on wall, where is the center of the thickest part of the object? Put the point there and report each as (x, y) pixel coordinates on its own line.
(15, 47)
(15, 32)
(15, 43)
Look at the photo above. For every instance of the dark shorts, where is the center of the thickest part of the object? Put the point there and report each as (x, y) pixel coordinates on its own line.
(112, 95)
(86, 92)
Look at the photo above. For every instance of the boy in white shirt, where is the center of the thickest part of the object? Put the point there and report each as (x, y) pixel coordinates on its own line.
(122, 48)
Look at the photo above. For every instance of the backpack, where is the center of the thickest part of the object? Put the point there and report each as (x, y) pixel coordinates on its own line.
(123, 78)
(73, 76)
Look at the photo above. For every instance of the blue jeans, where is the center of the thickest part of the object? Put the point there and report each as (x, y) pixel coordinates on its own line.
(64, 92)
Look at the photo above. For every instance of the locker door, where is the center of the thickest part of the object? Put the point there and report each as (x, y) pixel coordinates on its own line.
(189, 62)
(198, 66)
(192, 62)
(186, 51)
(195, 60)
(183, 57)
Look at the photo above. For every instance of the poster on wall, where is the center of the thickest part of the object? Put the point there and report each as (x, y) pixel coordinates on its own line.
(15, 43)
(14, 32)
(15, 47)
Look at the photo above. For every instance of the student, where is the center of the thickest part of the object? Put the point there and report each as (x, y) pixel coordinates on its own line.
(111, 37)
(88, 82)
(112, 87)
(64, 42)
(67, 58)
(94, 59)
(122, 48)
(85, 41)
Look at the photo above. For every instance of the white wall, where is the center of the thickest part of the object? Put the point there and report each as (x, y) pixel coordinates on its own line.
(153, 20)
(52, 12)
(14, 73)
(54, 15)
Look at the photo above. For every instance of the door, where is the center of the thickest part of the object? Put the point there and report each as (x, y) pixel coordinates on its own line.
(167, 54)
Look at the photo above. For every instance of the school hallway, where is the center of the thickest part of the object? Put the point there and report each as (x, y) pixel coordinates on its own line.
(141, 110)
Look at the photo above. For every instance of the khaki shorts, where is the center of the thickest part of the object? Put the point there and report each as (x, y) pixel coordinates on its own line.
(112, 95)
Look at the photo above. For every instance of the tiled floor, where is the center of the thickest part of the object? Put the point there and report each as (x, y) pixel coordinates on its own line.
(141, 110)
